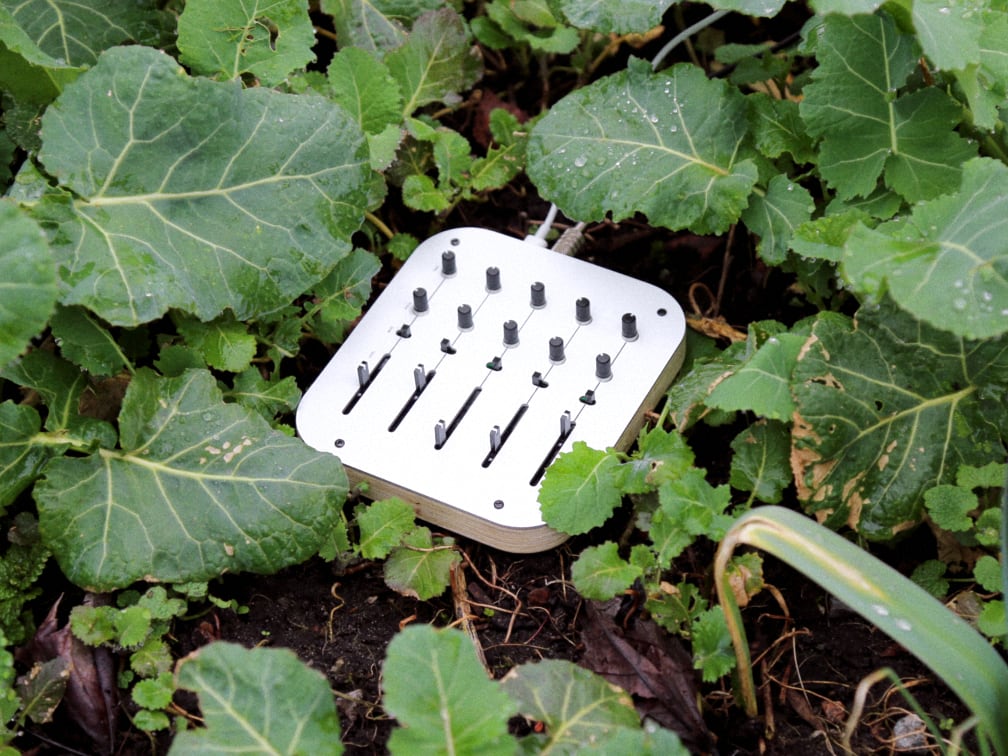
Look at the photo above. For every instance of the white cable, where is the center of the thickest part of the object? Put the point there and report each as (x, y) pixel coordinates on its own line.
(686, 33)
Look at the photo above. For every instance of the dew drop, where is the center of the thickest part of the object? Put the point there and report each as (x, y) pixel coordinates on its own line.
(959, 303)
(903, 624)
(580, 161)
(880, 610)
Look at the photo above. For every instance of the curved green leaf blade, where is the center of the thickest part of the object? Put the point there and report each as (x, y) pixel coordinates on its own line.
(869, 131)
(418, 567)
(375, 25)
(195, 194)
(437, 689)
(600, 572)
(26, 71)
(671, 145)
(942, 640)
(579, 708)
(949, 32)
(28, 287)
(775, 214)
(198, 488)
(229, 38)
(888, 408)
(260, 700)
(948, 263)
(87, 342)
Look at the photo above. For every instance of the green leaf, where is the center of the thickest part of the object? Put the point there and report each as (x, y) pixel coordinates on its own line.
(436, 62)
(762, 383)
(224, 343)
(440, 694)
(888, 408)
(364, 86)
(988, 574)
(947, 263)
(949, 32)
(778, 128)
(671, 145)
(578, 707)
(991, 475)
(87, 342)
(420, 193)
(949, 506)
(151, 721)
(382, 526)
(260, 700)
(712, 648)
(375, 25)
(419, 568)
(42, 689)
(194, 194)
(228, 38)
(29, 74)
(28, 287)
(930, 575)
(659, 456)
(133, 625)
(867, 129)
(689, 507)
(538, 29)
(154, 693)
(581, 489)
(199, 488)
(986, 85)
(94, 625)
(992, 620)
(21, 457)
(152, 658)
(267, 397)
(62, 386)
(775, 215)
(76, 33)
(615, 16)
(601, 573)
(761, 461)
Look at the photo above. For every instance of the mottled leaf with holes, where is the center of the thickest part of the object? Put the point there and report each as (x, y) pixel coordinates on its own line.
(887, 408)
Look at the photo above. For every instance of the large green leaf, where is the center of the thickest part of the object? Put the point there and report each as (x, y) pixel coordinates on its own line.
(21, 456)
(436, 62)
(28, 285)
(440, 694)
(75, 32)
(87, 342)
(949, 31)
(26, 71)
(581, 489)
(774, 215)
(615, 16)
(198, 488)
(194, 194)
(259, 700)
(579, 708)
(671, 145)
(868, 130)
(375, 25)
(887, 408)
(228, 38)
(947, 263)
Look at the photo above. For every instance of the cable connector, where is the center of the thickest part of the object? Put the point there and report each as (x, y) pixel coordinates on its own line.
(570, 241)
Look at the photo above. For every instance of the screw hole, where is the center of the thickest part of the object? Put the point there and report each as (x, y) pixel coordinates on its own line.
(499, 504)
(454, 242)
(339, 443)
(662, 312)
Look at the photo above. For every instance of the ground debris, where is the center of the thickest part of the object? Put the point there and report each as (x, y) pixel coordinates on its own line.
(649, 664)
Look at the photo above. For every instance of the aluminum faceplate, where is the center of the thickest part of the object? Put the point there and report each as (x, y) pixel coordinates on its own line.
(426, 401)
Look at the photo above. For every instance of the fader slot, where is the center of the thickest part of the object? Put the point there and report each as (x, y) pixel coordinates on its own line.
(420, 379)
(498, 437)
(442, 432)
(566, 428)
(365, 377)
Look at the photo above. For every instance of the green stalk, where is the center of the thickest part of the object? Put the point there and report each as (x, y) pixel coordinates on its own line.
(954, 651)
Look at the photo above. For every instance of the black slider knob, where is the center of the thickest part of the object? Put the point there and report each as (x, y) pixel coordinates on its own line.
(465, 317)
(556, 350)
(538, 296)
(629, 326)
(510, 333)
(420, 303)
(448, 266)
(582, 311)
(493, 279)
(603, 367)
